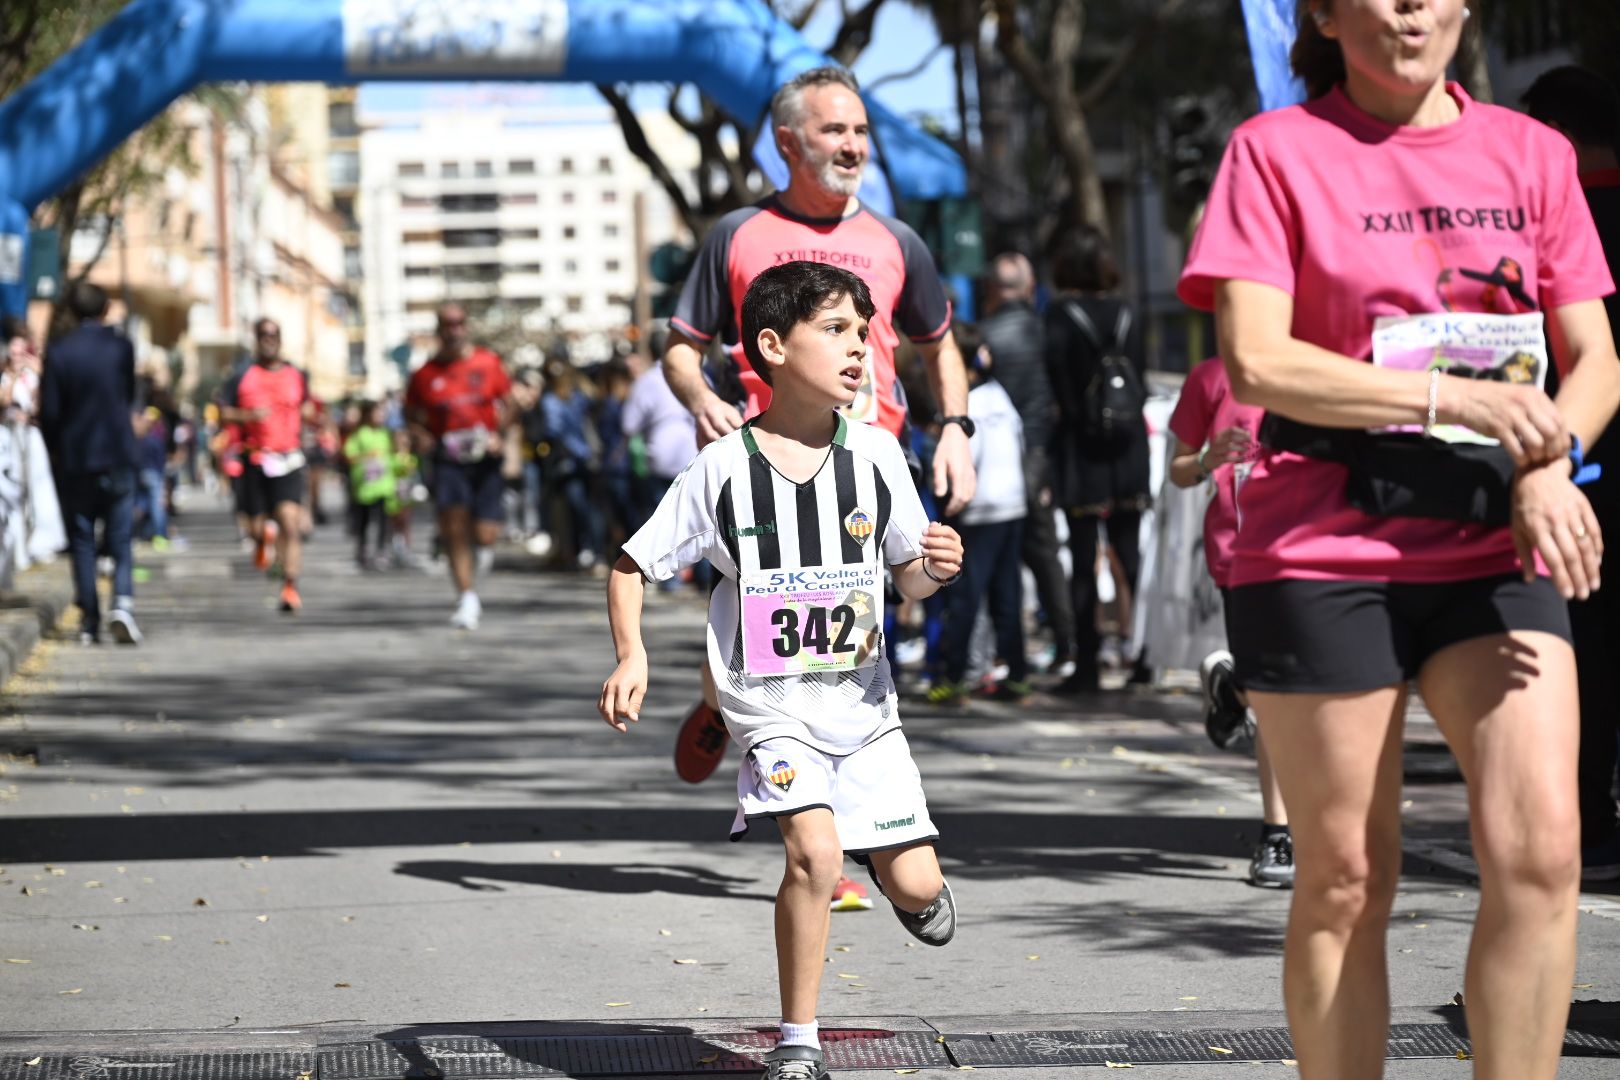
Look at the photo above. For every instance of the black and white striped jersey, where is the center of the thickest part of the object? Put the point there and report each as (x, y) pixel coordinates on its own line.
(838, 531)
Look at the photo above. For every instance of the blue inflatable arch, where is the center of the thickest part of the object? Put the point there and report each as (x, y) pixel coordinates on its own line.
(94, 97)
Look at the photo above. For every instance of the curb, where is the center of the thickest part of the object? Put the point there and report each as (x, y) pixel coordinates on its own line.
(30, 611)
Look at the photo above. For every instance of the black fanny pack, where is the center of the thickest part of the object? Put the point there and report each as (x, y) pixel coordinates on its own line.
(1399, 475)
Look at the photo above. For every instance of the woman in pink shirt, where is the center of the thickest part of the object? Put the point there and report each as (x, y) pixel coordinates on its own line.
(1392, 193)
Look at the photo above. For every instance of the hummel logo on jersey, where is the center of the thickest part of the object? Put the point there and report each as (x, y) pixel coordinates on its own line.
(754, 530)
(897, 823)
(859, 525)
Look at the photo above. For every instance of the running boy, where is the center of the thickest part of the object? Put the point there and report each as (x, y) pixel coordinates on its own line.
(800, 510)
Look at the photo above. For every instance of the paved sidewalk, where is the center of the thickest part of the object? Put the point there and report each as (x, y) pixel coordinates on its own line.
(357, 817)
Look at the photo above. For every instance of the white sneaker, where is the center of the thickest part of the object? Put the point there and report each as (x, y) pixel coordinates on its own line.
(468, 612)
(121, 624)
(538, 545)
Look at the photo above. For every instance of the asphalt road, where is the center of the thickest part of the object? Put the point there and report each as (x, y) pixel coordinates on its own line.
(357, 817)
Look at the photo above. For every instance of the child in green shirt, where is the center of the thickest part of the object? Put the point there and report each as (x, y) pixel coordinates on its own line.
(370, 453)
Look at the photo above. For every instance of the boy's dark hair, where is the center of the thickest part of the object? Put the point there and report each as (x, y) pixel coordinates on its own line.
(1580, 101)
(794, 292)
(86, 301)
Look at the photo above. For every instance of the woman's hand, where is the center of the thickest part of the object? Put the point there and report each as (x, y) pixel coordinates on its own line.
(1525, 420)
(1553, 517)
(1229, 446)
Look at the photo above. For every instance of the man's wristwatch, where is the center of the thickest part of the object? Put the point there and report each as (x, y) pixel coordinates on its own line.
(965, 421)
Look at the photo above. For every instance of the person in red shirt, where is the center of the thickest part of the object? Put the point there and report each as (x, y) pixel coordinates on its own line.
(270, 401)
(456, 405)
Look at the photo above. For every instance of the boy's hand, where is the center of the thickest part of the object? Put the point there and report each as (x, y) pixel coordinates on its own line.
(942, 551)
(624, 691)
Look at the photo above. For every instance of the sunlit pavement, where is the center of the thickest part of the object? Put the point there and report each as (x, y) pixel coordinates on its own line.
(357, 816)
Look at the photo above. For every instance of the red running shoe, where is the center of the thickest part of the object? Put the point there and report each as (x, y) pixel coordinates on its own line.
(291, 602)
(850, 895)
(700, 745)
(262, 548)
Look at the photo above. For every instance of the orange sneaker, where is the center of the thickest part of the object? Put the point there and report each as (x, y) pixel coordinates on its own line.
(700, 745)
(291, 602)
(263, 546)
(850, 895)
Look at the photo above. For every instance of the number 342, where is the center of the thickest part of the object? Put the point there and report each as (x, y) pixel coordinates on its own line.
(816, 631)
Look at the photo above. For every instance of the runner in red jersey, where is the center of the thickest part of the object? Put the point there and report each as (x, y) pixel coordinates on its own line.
(456, 404)
(823, 135)
(270, 400)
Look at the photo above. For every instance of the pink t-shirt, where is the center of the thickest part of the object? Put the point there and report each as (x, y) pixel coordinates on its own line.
(1205, 409)
(1356, 218)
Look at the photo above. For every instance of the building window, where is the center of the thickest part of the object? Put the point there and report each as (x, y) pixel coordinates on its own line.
(340, 120)
(417, 202)
(604, 166)
(610, 196)
(412, 168)
(450, 170)
(523, 268)
(473, 272)
(423, 237)
(566, 165)
(520, 168)
(610, 231)
(568, 198)
(521, 234)
(471, 238)
(568, 232)
(353, 268)
(343, 168)
(523, 198)
(611, 266)
(570, 266)
(575, 305)
(483, 169)
(421, 271)
(343, 206)
(357, 358)
(469, 204)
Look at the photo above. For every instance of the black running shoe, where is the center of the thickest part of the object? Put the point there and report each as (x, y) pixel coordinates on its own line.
(1273, 864)
(1226, 718)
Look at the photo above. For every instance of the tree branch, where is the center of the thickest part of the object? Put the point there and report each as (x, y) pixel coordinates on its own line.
(1011, 44)
(636, 141)
(910, 72)
(1125, 56)
(855, 34)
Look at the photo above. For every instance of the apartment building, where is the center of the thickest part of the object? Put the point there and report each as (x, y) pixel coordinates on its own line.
(526, 217)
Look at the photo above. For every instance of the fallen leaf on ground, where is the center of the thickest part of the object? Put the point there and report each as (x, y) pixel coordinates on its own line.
(1290, 1062)
(199, 902)
(134, 791)
(164, 937)
(907, 1072)
(26, 891)
(686, 961)
(664, 933)
(858, 986)
(1119, 1065)
(78, 990)
(348, 918)
(57, 871)
(33, 1061)
(84, 926)
(1463, 1055)
(1583, 986)
(94, 885)
(120, 900)
(1220, 1050)
(341, 986)
(10, 961)
(1421, 926)
(845, 975)
(1193, 998)
(1033, 956)
(262, 918)
(840, 948)
(710, 1060)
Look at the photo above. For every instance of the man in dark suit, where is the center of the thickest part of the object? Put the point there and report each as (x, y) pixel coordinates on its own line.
(86, 398)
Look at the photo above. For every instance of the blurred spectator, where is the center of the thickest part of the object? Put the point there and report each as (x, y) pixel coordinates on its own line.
(370, 454)
(653, 414)
(151, 490)
(618, 466)
(20, 378)
(1095, 363)
(569, 458)
(1016, 339)
(86, 397)
(409, 490)
(992, 528)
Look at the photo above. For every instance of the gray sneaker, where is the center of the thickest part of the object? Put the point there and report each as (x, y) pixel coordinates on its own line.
(934, 924)
(122, 626)
(795, 1063)
(1273, 864)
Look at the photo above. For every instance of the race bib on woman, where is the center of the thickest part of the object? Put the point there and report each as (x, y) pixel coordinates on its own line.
(1493, 348)
(801, 622)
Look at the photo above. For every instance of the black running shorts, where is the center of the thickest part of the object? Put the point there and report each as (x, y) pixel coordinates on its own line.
(261, 494)
(1332, 637)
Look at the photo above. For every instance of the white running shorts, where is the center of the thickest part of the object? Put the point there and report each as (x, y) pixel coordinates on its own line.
(875, 794)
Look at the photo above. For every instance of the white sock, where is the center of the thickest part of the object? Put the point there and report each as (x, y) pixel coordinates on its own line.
(801, 1034)
(483, 560)
(468, 599)
(124, 603)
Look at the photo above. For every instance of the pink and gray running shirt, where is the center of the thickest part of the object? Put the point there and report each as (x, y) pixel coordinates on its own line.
(886, 253)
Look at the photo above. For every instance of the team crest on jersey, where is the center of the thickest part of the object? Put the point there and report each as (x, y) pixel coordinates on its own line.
(782, 775)
(859, 525)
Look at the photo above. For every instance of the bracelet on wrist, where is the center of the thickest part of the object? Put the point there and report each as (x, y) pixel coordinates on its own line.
(939, 580)
(1202, 462)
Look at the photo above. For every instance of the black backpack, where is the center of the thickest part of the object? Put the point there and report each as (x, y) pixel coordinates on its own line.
(1111, 403)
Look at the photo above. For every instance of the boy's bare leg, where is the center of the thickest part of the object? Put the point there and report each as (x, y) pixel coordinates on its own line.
(911, 876)
(803, 908)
